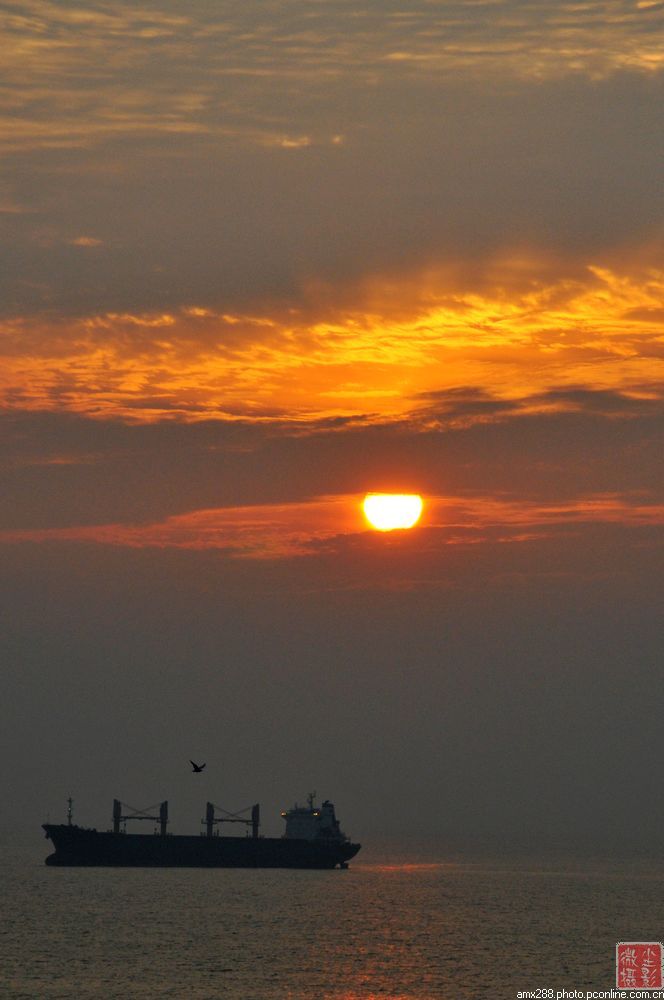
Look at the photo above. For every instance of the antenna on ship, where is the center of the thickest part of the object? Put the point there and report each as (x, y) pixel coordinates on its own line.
(70, 810)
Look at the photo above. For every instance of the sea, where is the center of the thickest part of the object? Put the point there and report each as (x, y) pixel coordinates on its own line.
(399, 924)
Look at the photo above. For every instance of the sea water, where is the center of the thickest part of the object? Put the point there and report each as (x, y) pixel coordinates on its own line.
(392, 926)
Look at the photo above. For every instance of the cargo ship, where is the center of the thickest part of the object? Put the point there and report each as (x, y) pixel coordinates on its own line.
(312, 839)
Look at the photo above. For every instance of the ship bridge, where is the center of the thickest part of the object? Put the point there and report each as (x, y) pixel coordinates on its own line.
(311, 822)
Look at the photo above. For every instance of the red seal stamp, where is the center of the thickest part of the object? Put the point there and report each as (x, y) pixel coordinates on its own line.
(639, 965)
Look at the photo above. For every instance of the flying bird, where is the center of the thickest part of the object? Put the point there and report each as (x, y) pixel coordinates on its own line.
(196, 768)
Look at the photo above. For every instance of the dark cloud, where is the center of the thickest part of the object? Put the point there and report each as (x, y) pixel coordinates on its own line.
(603, 401)
(468, 404)
(464, 402)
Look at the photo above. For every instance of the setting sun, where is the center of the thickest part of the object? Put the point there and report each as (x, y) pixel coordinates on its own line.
(388, 511)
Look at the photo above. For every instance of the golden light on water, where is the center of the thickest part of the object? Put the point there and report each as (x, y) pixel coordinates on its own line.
(390, 511)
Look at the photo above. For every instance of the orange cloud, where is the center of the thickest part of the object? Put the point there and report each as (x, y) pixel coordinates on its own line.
(377, 348)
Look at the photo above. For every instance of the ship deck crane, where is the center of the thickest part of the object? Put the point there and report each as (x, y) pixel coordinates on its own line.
(211, 819)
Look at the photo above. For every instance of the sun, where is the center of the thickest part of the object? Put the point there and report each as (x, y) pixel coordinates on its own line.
(389, 511)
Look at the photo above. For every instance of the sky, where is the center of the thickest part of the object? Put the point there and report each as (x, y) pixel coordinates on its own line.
(259, 259)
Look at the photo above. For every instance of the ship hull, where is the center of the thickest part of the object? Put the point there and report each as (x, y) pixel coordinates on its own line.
(75, 846)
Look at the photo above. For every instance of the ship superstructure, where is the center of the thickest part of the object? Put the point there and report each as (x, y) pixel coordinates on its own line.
(312, 823)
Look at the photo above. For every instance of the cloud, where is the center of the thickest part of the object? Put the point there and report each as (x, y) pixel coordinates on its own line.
(204, 157)
(85, 74)
(467, 406)
(380, 347)
(62, 470)
(272, 531)
(86, 241)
